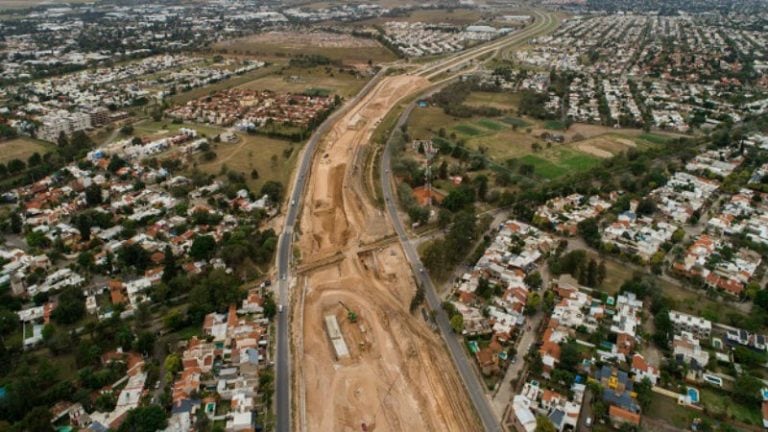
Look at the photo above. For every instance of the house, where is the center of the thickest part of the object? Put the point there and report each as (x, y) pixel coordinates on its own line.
(697, 326)
(617, 388)
(619, 416)
(686, 349)
(523, 419)
(641, 370)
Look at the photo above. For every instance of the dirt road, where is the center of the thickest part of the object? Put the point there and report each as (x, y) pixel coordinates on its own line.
(398, 375)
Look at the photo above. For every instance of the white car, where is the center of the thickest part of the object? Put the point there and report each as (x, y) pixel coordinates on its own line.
(280, 308)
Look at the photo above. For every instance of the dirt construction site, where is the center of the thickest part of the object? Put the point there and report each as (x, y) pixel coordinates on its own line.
(361, 360)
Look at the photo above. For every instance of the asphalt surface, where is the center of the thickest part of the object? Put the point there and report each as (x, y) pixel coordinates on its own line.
(285, 246)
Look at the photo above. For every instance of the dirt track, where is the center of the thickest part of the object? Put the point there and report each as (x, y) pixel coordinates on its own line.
(399, 376)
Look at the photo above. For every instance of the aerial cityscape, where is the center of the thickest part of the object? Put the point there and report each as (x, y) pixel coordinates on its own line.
(383, 215)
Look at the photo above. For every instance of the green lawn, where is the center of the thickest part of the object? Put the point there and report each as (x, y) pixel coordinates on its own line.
(667, 410)
(468, 130)
(578, 161)
(720, 403)
(543, 167)
(514, 121)
(22, 148)
(490, 124)
(554, 125)
(500, 100)
(560, 161)
(167, 127)
(654, 138)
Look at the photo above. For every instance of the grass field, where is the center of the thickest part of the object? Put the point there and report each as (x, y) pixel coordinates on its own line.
(297, 80)
(554, 125)
(22, 149)
(490, 124)
(500, 100)
(514, 121)
(164, 128)
(281, 45)
(718, 402)
(468, 130)
(255, 152)
(501, 141)
(249, 153)
(667, 409)
(654, 138)
(556, 162)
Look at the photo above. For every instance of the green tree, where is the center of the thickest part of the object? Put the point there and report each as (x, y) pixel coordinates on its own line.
(172, 363)
(544, 425)
(274, 190)
(644, 390)
(203, 247)
(533, 280)
(8, 321)
(16, 166)
(418, 298)
(749, 389)
(270, 307)
(38, 419)
(457, 323)
(93, 196)
(71, 307)
(570, 357)
(145, 343)
(149, 418)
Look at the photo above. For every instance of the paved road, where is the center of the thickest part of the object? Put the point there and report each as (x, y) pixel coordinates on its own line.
(285, 244)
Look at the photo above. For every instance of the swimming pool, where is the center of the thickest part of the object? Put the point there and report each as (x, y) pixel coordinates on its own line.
(693, 395)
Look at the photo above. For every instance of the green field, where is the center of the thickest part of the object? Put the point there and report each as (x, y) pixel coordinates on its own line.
(468, 130)
(554, 125)
(560, 162)
(654, 138)
(501, 100)
(514, 121)
(500, 141)
(346, 49)
(719, 403)
(490, 124)
(22, 149)
(265, 155)
(299, 80)
(165, 128)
